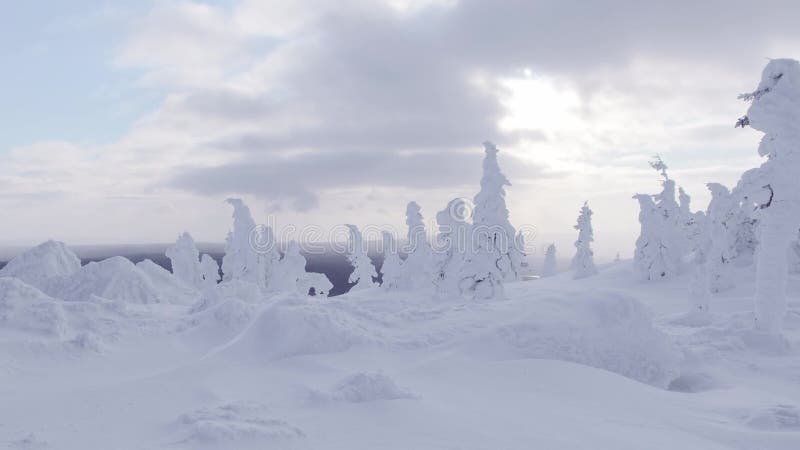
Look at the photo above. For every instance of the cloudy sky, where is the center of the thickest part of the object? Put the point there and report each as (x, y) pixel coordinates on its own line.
(131, 121)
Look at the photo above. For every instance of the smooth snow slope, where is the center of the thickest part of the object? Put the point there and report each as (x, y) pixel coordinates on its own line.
(598, 363)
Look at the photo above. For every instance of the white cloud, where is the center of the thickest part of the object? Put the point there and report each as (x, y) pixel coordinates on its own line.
(314, 103)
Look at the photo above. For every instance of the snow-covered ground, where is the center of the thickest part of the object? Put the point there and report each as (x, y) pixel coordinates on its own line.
(603, 362)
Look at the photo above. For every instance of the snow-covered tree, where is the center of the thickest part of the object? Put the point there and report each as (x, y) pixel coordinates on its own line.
(250, 251)
(673, 229)
(209, 270)
(364, 273)
(289, 271)
(392, 268)
(775, 110)
(652, 257)
(549, 264)
(418, 266)
(699, 291)
(583, 261)
(492, 257)
(185, 260)
(451, 241)
(721, 210)
(666, 226)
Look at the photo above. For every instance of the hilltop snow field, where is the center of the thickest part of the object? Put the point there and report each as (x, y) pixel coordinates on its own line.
(598, 363)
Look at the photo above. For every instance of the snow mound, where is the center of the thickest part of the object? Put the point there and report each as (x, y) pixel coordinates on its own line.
(39, 264)
(290, 328)
(602, 329)
(363, 387)
(776, 418)
(25, 309)
(234, 422)
(114, 278)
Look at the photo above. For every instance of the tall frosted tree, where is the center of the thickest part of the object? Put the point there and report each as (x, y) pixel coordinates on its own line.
(583, 261)
(775, 110)
(249, 250)
(652, 257)
(392, 268)
(289, 271)
(492, 256)
(185, 260)
(418, 266)
(722, 233)
(699, 291)
(549, 264)
(364, 273)
(452, 240)
(665, 229)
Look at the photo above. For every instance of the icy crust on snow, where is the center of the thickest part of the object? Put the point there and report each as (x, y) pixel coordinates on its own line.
(114, 278)
(41, 263)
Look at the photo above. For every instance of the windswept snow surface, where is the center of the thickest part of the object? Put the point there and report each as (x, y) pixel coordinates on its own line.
(597, 363)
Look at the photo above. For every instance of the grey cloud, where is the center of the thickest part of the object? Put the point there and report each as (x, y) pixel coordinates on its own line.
(376, 84)
(299, 179)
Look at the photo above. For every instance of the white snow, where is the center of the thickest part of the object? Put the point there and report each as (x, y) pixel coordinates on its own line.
(559, 363)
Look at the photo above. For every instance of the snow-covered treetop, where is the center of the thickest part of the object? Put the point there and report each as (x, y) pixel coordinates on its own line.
(717, 189)
(685, 201)
(416, 226)
(584, 224)
(242, 219)
(775, 107)
(659, 164)
(490, 201)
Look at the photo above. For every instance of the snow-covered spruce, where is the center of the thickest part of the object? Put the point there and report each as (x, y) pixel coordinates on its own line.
(549, 263)
(451, 241)
(775, 110)
(392, 268)
(664, 239)
(185, 260)
(721, 210)
(651, 256)
(250, 251)
(418, 265)
(492, 256)
(289, 271)
(364, 273)
(583, 261)
(699, 292)
(673, 229)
